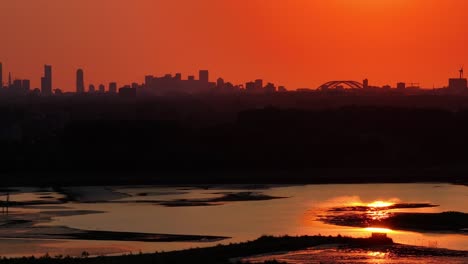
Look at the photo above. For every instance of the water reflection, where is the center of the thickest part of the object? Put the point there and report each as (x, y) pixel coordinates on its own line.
(378, 230)
(353, 256)
(376, 254)
(378, 210)
(380, 204)
(247, 220)
(392, 215)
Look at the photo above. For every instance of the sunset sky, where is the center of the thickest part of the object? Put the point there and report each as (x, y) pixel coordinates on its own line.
(297, 43)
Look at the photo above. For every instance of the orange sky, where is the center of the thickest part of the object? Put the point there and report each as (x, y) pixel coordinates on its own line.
(297, 43)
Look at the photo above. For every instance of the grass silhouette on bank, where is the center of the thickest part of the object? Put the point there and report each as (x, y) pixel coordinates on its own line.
(219, 254)
(235, 253)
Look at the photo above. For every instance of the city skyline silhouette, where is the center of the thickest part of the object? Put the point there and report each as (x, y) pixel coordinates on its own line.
(298, 45)
(173, 84)
(233, 131)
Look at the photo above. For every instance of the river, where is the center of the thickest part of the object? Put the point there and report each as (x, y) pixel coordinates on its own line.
(297, 212)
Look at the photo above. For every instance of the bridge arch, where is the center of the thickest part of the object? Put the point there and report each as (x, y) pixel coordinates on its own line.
(335, 84)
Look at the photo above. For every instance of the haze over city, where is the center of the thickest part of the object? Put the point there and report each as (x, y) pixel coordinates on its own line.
(298, 43)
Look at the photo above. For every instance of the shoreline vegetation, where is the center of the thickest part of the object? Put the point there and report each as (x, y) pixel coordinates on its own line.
(235, 253)
(255, 177)
(211, 142)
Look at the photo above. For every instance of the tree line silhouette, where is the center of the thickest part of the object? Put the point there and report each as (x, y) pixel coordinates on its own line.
(191, 141)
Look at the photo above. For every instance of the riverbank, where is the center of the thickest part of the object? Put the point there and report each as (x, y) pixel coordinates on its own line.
(125, 216)
(36, 226)
(195, 177)
(237, 253)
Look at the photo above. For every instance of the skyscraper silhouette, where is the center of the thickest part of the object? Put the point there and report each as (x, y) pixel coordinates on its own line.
(113, 87)
(204, 76)
(80, 87)
(17, 86)
(26, 85)
(365, 84)
(258, 85)
(102, 88)
(46, 81)
(401, 86)
(220, 83)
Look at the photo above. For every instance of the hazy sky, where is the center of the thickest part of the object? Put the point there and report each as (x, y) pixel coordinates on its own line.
(297, 43)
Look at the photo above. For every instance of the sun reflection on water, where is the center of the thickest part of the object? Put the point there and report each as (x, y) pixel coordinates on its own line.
(378, 230)
(378, 215)
(376, 254)
(379, 210)
(380, 204)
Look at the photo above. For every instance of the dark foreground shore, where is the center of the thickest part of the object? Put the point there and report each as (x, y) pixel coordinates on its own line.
(309, 176)
(235, 253)
(233, 140)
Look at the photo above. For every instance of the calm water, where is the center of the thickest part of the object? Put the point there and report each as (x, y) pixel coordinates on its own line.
(295, 215)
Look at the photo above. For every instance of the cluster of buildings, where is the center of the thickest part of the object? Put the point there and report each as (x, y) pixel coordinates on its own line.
(257, 87)
(19, 87)
(169, 84)
(175, 85)
(456, 86)
(166, 85)
(16, 86)
(22, 87)
(101, 89)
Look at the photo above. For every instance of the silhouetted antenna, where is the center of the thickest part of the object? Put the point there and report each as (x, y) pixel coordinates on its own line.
(461, 72)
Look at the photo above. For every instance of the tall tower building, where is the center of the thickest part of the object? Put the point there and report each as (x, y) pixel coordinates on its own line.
(46, 81)
(1, 75)
(204, 76)
(220, 83)
(112, 87)
(259, 84)
(458, 85)
(92, 88)
(17, 86)
(401, 86)
(149, 81)
(365, 83)
(80, 87)
(26, 85)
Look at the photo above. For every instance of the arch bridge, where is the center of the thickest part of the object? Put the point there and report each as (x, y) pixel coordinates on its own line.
(335, 84)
